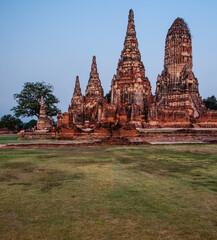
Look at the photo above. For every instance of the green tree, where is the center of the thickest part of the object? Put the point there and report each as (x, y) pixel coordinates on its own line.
(31, 124)
(10, 122)
(28, 100)
(211, 103)
(108, 96)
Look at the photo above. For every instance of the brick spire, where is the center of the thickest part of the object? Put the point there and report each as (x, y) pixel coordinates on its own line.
(94, 88)
(77, 89)
(130, 50)
(77, 95)
(129, 85)
(76, 108)
(94, 72)
(131, 32)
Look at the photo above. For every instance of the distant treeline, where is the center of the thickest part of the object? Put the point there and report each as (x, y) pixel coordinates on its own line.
(12, 123)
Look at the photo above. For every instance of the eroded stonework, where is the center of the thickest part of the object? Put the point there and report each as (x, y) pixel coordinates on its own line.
(94, 95)
(130, 89)
(177, 97)
(44, 122)
(177, 102)
(76, 108)
(133, 110)
(94, 92)
(85, 110)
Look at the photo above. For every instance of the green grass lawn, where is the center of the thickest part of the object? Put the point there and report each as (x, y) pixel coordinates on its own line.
(14, 138)
(145, 192)
(9, 138)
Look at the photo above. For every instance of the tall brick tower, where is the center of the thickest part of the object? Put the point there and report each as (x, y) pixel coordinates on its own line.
(77, 104)
(130, 89)
(178, 49)
(93, 94)
(177, 87)
(94, 90)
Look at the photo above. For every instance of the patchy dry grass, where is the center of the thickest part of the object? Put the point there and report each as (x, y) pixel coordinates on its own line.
(145, 192)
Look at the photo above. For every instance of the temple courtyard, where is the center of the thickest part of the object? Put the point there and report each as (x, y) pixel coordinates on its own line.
(108, 192)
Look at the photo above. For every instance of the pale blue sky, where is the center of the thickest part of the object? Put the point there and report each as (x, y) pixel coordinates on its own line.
(53, 41)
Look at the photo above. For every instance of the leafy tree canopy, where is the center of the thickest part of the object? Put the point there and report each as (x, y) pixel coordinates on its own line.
(29, 125)
(29, 99)
(211, 103)
(10, 122)
(108, 96)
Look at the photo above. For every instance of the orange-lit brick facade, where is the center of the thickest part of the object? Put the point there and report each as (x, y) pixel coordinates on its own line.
(176, 103)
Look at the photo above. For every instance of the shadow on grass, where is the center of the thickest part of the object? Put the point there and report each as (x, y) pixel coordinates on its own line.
(195, 168)
(28, 174)
(24, 166)
(55, 179)
(7, 177)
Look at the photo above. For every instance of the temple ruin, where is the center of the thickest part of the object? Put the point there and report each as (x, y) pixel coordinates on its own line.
(133, 109)
(177, 99)
(130, 88)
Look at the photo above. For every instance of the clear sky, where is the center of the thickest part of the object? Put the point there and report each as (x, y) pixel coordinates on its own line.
(53, 41)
